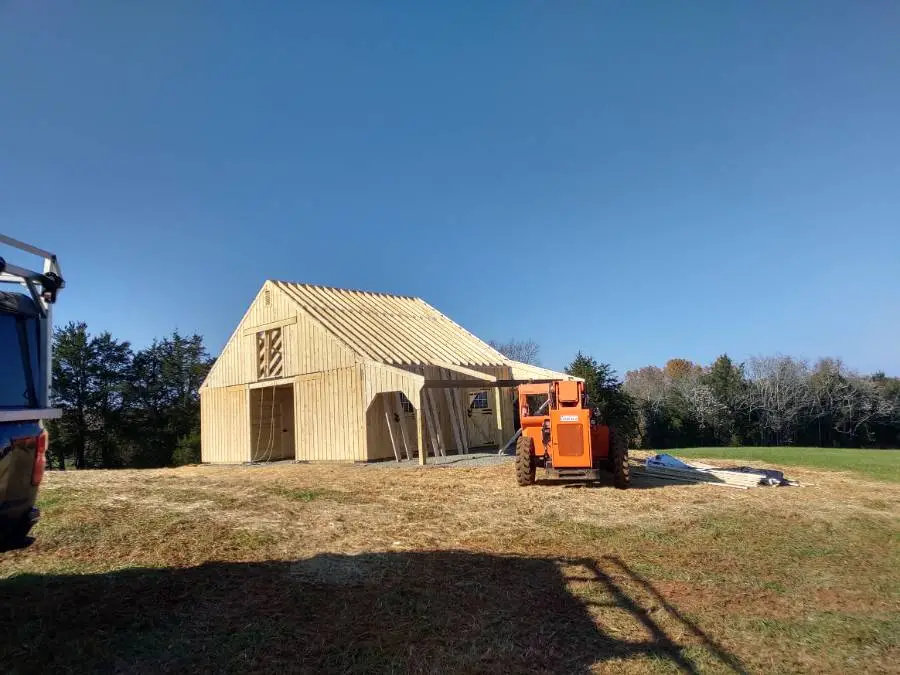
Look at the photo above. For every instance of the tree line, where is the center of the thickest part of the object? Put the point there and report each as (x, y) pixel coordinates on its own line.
(124, 407)
(141, 408)
(772, 400)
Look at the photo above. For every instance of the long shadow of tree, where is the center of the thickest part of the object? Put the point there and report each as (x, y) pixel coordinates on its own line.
(390, 612)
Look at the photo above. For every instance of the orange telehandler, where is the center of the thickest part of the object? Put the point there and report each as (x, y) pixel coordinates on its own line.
(560, 432)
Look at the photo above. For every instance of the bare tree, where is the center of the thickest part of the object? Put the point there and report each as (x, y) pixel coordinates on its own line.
(858, 407)
(525, 351)
(778, 395)
(647, 384)
(702, 402)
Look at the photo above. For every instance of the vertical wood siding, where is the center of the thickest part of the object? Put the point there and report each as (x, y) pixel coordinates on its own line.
(308, 348)
(380, 383)
(330, 418)
(507, 396)
(505, 423)
(224, 426)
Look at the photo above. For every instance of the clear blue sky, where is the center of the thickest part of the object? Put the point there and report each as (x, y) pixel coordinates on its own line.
(637, 180)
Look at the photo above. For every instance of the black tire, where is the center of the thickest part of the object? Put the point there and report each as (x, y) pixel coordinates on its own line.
(618, 459)
(525, 461)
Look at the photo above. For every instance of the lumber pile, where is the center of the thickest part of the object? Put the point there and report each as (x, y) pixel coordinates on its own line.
(666, 467)
(724, 478)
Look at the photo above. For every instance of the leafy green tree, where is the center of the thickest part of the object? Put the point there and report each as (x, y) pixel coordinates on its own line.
(88, 378)
(726, 381)
(71, 359)
(162, 397)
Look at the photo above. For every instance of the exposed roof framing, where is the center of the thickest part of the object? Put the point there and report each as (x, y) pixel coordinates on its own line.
(391, 329)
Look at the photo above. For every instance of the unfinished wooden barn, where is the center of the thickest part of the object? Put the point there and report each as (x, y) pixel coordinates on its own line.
(317, 374)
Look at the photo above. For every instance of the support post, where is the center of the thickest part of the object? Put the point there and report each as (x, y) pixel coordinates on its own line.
(454, 419)
(420, 428)
(390, 426)
(432, 423)
(498, 417)
(463, 426)
(398, 409)
(249, 410)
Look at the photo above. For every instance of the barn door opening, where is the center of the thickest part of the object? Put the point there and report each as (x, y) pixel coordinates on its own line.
(480, 420)
(272, 423)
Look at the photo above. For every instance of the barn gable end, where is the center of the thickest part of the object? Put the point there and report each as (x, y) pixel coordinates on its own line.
(308, 347)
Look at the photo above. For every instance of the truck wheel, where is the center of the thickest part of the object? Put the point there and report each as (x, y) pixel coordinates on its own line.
(525, 461)
(618, 459)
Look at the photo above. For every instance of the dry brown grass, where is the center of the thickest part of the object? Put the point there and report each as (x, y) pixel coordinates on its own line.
(353, 569)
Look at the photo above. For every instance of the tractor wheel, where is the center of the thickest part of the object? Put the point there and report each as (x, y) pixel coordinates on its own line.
(618, 459)
(525, 461)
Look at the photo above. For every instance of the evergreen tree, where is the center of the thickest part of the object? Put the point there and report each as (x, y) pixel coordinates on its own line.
(604, 391)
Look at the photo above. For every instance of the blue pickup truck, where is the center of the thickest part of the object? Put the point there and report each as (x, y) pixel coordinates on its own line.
(25, 372)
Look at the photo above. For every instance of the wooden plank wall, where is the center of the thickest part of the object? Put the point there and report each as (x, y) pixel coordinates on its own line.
(507, 395)
(506, 399)
(330, 418)
(308, 348)
(224, 426)
(378, 381)
(443, 412)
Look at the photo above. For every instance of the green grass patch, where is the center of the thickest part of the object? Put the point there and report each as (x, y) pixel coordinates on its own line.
(879, 464)
(834, 641)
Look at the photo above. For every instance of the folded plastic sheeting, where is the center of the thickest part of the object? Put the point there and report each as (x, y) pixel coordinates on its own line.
(668, 462)
(766, 476)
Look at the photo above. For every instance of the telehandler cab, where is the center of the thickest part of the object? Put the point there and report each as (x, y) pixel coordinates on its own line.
(563, 434)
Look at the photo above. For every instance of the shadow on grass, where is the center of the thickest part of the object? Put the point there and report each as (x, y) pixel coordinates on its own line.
(638, 482)
(400, 612)
(7, 545)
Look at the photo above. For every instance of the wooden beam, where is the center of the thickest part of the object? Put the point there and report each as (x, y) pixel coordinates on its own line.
(460, 404)
(420, 428)
(463, 425)
(480, 384)
(477, 374)
(266, 384)
(429, 421)
(253, 330)
(390, 425)
(436, 422)
(498, 418)
(249, 412)
(398, 410)
(454, 420)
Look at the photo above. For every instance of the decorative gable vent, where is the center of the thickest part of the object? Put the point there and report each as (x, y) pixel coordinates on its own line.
(269, 354)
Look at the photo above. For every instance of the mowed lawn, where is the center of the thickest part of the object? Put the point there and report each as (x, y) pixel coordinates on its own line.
(315, 568)
(880, 464)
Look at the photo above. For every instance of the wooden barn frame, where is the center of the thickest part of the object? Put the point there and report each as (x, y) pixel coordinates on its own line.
(324, 374)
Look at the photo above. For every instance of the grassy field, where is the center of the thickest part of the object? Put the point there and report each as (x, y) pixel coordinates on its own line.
(312, 568)
(880, 464)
